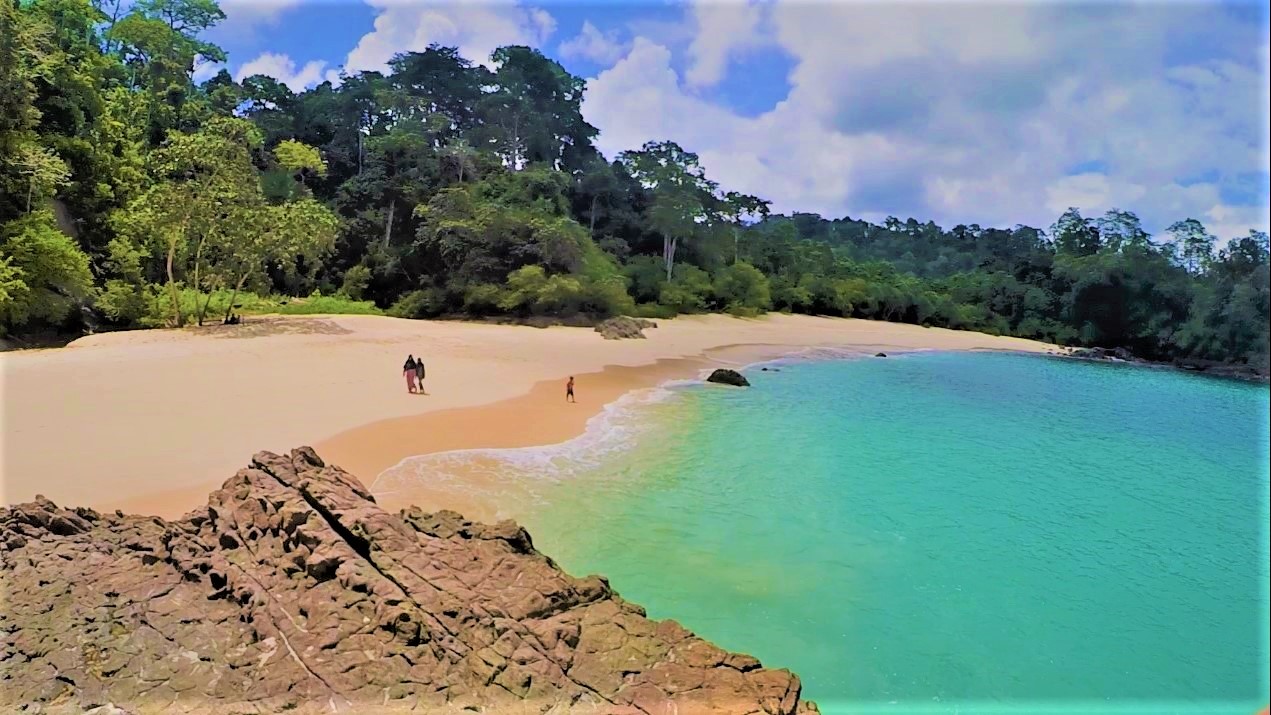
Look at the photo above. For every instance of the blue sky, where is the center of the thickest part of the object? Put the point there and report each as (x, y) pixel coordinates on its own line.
(993, 113)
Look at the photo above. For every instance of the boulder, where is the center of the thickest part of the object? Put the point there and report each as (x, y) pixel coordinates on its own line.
(725, 376)
(880, 354)
(622, 327)
(292, 590)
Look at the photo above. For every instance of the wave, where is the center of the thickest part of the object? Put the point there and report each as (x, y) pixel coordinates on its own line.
(610, 433)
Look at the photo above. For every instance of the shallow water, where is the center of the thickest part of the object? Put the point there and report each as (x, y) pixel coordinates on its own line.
(937, 531)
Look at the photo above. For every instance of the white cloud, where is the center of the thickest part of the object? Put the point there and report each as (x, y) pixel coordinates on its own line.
(206, 71)
(248, 16)
(602, 48)
(283, 69)
(475, 28)
(724, 29)
(969, 114)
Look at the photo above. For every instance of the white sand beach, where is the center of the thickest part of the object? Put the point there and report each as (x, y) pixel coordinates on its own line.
(150, 421)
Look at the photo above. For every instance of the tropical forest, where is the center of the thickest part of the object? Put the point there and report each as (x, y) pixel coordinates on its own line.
(132, 196)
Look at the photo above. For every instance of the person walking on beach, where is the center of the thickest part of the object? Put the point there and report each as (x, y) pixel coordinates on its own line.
(419, 374)
(409, 371)
(569, 390)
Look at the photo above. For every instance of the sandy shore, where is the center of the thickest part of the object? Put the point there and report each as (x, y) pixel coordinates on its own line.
(151, 421)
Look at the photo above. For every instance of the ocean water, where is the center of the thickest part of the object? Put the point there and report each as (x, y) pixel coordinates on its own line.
(936, 532)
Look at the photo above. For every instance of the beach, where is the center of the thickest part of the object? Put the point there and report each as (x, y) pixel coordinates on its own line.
(151, 421)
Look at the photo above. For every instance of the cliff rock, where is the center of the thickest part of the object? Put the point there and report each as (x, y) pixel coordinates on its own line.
(292, 590)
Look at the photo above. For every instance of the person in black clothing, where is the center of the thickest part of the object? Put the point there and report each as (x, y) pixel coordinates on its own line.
(419, 373)
(409, 371)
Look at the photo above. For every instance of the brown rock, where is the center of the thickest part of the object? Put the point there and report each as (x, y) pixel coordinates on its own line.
(292, 590)
(622, 327)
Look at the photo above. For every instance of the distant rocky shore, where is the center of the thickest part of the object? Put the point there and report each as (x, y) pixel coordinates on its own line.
(292, 590)
(1252, 373)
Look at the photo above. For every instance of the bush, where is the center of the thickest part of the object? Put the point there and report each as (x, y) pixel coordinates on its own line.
(688, 290)
(482, 299)
(608, 297)
(356, 280)
(417, 304)
(742, 290)
(647, 276)
(654, 310)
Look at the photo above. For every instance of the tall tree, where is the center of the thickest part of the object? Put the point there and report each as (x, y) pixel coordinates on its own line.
(1193, 243)
(683, 198)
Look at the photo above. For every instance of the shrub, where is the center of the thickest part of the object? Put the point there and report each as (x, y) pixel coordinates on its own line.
(356, 280)
(417, 304)
(688, 290)
(742, 290)
(482, 298)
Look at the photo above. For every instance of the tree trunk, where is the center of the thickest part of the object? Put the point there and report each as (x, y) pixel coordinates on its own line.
(198, 287)
(30, 190)
(388, 228)
(668, 253)
(172, 284)
(592, 228)
(206, 304)
(735, 249)
(234, 296)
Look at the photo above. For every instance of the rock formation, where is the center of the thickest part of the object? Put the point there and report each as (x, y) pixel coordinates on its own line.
(725, 376)
(292, 590)
(622, 327)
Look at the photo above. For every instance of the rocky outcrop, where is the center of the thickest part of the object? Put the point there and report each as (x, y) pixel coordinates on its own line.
(292, 590)
(622, 327)
(1114, 354)
(725, 376)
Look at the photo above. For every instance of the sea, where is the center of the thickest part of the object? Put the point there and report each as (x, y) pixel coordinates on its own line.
(931, 532)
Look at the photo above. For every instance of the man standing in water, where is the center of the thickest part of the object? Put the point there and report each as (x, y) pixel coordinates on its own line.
(569, 390)
(419, 374)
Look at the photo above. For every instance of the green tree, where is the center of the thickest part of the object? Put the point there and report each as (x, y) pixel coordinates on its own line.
(1193, 243)
(683, 198)
(43, 274)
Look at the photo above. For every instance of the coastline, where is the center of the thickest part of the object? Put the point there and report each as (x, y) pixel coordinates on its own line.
(151, 422)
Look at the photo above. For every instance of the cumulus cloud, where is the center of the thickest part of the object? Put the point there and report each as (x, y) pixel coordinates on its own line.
(283, 69)
(249, 16)
(969, 113)
(475, 28)
(206, 71)
(602, 48)
(723, 30)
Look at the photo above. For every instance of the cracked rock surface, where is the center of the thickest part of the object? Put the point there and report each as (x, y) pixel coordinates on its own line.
(293, 591)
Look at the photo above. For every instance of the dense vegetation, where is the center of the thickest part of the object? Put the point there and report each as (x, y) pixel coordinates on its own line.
(131, 196)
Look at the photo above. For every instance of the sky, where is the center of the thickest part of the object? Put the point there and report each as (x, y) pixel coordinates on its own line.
(994, 113)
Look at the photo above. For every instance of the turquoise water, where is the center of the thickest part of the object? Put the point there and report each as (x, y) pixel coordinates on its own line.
(948, 532)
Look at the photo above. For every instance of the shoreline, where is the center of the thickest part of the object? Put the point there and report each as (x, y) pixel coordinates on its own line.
(150, 422)
(375, 448)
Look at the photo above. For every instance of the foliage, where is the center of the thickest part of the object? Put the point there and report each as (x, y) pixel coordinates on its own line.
(452, 187)
(43, 274)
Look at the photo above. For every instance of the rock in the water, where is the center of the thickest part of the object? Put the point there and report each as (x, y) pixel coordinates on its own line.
(622, 327)
(880, 354)
(292, 590)
(1116, 354)
(725, 376)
